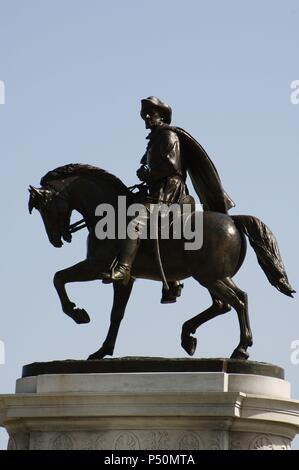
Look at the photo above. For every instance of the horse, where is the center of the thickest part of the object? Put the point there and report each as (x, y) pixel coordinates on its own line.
(83, 188)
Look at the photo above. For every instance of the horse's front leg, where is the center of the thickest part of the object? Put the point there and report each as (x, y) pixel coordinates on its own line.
(121, 296)
(86, 270)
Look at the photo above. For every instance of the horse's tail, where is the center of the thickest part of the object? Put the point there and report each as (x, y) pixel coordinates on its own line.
(266, 249)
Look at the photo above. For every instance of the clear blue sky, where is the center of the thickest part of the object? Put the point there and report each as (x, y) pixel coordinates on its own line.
(74, 73)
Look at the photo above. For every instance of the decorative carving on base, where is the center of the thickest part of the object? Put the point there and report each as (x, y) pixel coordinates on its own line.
(190, 441)
(138, 439)
(11, 444)
(127, 441)
(63, 441)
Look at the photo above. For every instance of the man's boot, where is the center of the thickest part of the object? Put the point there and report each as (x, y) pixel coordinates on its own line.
(122, 271)
(170, 296)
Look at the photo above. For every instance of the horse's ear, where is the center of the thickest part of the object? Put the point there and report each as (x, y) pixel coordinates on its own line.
(35, 193)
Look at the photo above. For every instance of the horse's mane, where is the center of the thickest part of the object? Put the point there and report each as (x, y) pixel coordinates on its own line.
(81, 169)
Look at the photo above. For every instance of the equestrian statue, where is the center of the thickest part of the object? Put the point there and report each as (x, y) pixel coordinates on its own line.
(171, 155)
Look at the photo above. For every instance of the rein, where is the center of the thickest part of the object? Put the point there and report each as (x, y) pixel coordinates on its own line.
(76, 226)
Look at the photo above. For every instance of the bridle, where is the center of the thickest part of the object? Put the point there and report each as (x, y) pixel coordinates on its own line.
(76, 226)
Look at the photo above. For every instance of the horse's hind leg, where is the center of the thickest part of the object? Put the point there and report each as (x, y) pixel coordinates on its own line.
(227, 291)
(245, 329)
(218, 307)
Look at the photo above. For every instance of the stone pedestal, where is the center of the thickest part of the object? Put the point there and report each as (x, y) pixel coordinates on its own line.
(236, 405)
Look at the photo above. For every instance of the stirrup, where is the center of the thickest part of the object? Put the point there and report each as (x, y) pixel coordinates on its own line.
(170, 296)
(121, 273)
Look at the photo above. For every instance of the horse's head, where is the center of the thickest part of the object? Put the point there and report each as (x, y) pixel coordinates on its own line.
(55, 212)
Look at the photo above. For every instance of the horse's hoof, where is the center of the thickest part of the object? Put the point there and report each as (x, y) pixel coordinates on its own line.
(240, 354)
(100, 354)
(95, 356)
(189, 343)
(80, 316)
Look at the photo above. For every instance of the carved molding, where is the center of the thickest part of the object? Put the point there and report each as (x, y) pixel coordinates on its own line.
(162, 439)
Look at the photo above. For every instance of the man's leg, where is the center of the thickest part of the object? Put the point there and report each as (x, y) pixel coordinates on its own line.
(122, 271)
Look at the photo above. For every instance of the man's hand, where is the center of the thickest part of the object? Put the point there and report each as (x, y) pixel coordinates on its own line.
(143, 173)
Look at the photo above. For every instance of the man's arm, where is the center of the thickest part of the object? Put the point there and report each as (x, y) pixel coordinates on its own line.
(143, 170)
(169, 163)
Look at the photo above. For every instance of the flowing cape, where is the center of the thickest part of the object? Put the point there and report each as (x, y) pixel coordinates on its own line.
(203, 174)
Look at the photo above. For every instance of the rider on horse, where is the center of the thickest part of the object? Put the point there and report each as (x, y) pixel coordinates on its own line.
(170, 153)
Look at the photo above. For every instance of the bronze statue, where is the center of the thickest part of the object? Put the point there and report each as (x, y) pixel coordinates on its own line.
(170, 154)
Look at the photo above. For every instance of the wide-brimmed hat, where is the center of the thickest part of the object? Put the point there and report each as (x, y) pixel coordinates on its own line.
(153, 102)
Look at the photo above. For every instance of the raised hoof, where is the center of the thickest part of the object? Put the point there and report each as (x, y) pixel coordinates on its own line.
(79, 315)
(240, 354)
(189, 344)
